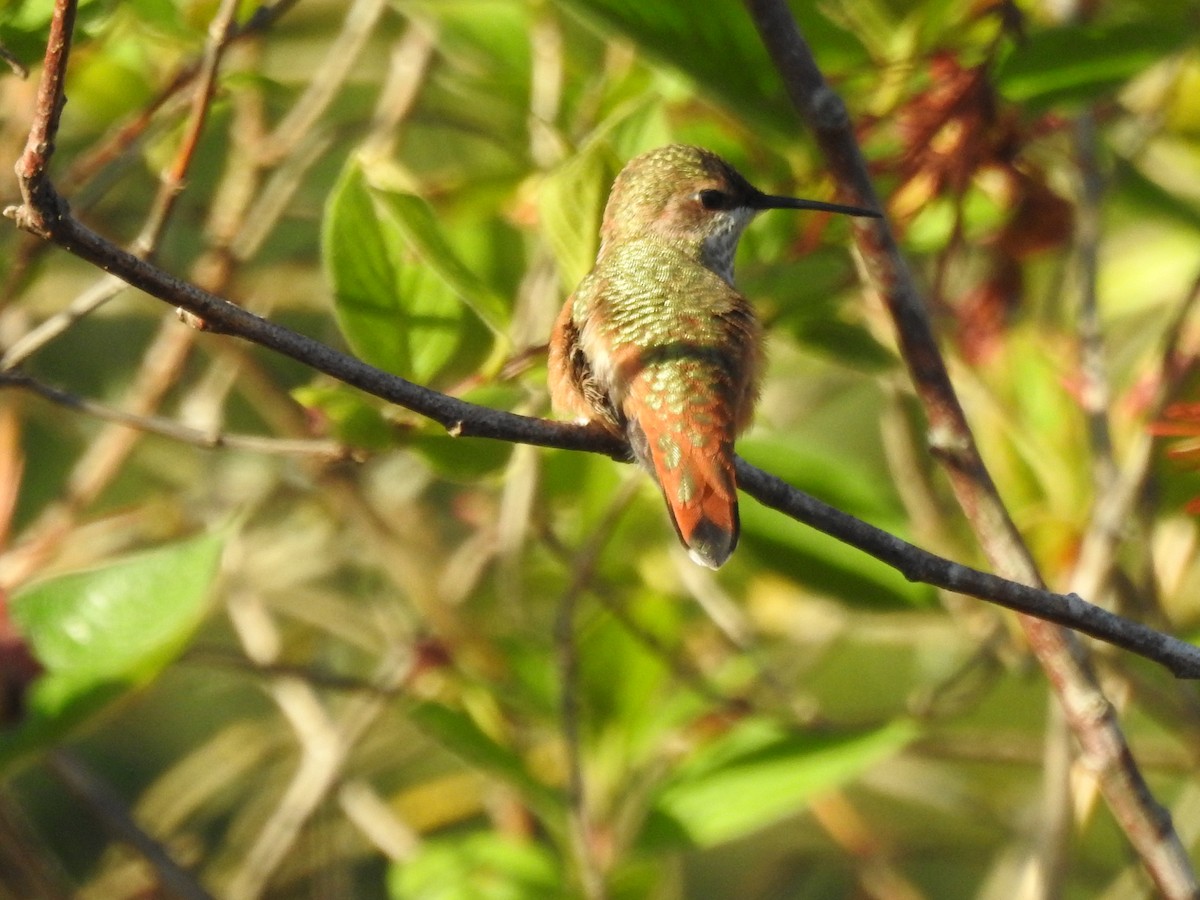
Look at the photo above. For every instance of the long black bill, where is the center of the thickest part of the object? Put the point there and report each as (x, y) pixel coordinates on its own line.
(771, 201)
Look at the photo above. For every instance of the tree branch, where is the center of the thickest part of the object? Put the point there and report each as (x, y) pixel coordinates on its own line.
(325, 450)
(915, 564)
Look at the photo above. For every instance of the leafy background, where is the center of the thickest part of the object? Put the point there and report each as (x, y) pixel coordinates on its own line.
(365, 697)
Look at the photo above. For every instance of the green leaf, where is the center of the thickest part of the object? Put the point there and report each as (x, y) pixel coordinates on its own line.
(758, 774)
(483, 866)
(799, 551)
(355, 419)
(103, 632)
(461, 460)
(458, 733)
(572, 196)
(1149, 198)
(717, 47)
(396, 311)
(1074, 63)
(846, 343)
(570, 206)
(418, 226)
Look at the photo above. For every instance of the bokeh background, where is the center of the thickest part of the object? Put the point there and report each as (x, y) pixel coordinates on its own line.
(309, 645)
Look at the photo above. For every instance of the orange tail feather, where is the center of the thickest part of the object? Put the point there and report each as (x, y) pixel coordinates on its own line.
(695, 472)
(708, 524)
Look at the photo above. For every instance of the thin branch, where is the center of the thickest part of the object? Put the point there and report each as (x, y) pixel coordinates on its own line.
(915, 564)
(18, 68)
(336, 66)
(32, 166)
(219, 658)
(1110, 518)
(162, 361)
(48, 329)
(1093, 366)
(118, 141)
(466, 419)
(210, 440)
(326, 739)
(111, 809)
(408, 71)
(169, 190)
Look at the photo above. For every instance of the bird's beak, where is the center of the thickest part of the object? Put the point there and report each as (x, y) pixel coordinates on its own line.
(771, 201)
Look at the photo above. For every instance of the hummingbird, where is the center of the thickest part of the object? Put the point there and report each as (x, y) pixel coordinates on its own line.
(657, 346)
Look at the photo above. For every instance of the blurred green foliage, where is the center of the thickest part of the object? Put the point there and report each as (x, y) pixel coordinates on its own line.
(368, 700)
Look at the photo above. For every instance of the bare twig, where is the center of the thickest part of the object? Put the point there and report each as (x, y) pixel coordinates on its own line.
(326, 740)
(916, 564)
(170, 187)
(114, 813)
(318, 449)
(1110, 518)
(163, 360)
(119, 140)
(323, 86)
(408, 68)
(13, 63)
(1091, 717)
(1093, 367)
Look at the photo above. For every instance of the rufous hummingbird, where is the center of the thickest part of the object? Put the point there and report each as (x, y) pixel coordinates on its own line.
(658, 347)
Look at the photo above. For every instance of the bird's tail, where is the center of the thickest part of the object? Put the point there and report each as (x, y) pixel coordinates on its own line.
(691, 456)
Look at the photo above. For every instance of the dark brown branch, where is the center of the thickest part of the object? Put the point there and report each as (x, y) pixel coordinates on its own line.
(212, 313)
(113, 812)
(915, 564)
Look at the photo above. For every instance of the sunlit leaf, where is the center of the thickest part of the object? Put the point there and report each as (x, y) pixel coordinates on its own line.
(846, 343)
(800, 551)
(572, 196)
(718, 47)
(420, 229)
(1133, 186)
(570, 205)
(102, 632)
(1077, 62)
(395, 308)
(483, 866)
(759, 773)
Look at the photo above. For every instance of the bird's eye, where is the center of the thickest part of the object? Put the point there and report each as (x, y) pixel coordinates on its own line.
(711, 199)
